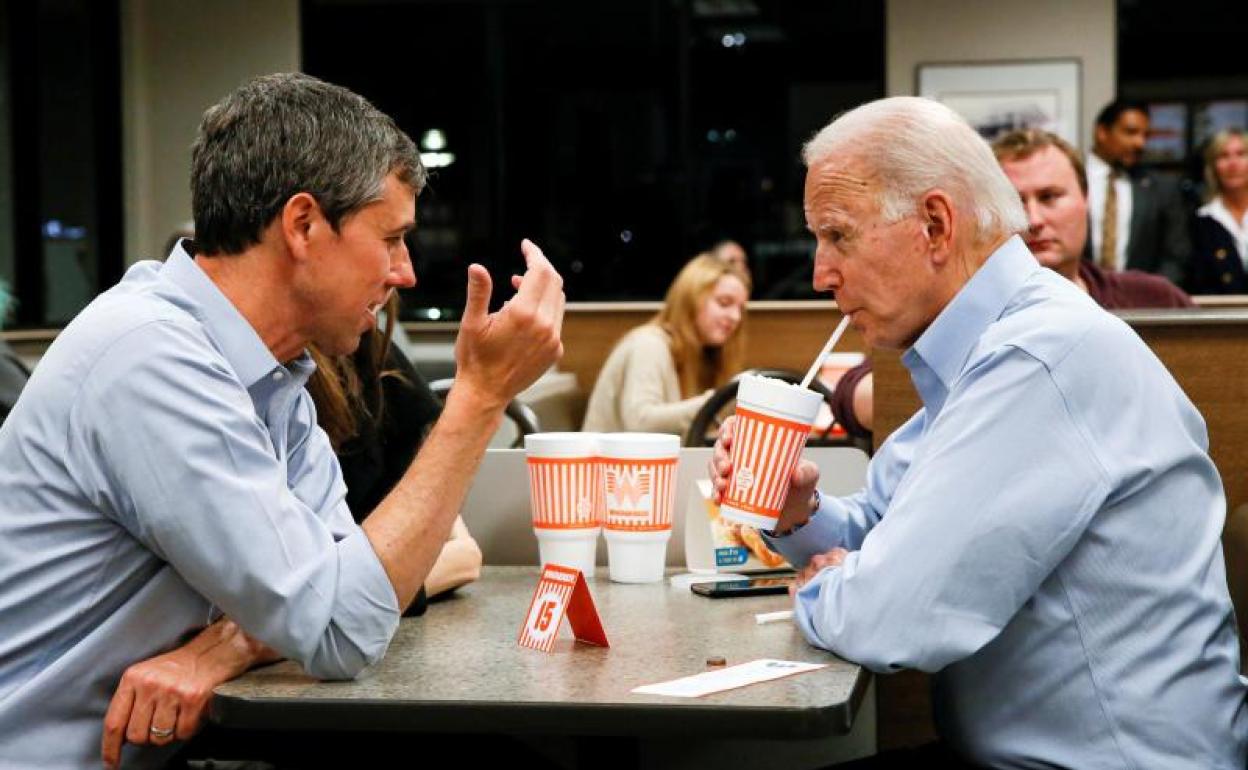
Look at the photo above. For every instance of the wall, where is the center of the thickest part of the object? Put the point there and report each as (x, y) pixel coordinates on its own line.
(925, 31)
(178, 58)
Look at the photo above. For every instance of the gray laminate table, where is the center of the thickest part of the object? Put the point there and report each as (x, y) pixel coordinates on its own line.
(459, 669)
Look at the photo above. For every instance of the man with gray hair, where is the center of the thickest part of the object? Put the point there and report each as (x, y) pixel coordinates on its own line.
(1044, 533)
(163, 470)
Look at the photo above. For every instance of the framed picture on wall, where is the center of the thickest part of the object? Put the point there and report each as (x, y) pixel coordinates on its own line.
(1212, 117)
(1000, 96)
(1167, 133)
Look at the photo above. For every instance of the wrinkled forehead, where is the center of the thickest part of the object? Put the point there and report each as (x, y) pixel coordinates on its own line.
(837, 186)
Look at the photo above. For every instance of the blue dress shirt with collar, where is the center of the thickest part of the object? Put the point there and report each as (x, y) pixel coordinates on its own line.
(1044, 534)
(162, 468)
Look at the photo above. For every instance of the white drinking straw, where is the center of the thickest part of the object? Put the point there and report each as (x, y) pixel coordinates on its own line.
(835, 338)
(773, 617)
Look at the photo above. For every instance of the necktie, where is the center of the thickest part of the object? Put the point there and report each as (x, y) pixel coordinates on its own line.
(1109, 225)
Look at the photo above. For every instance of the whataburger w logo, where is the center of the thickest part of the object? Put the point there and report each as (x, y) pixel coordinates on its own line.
(639, 493)
(627, 486)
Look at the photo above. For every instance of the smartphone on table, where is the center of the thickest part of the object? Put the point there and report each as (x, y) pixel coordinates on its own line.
(755, 586)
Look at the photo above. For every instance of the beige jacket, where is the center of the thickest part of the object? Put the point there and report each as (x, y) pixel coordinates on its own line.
(637, 389)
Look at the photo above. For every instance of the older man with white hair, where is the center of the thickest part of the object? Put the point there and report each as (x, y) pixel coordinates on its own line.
(1044, 533)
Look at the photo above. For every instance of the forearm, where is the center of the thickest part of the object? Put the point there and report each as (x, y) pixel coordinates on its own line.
(664, 417)
(408, 529)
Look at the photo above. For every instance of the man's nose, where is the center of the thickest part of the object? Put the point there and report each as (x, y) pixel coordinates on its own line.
(1035, 218)
(402, 273)
(826, 277)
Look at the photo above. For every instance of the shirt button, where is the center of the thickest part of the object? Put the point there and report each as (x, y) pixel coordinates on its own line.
(1226, 278)
(1220, 253)
(277, 376)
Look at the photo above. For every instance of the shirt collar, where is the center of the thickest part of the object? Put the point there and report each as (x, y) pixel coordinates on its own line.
(1218, 211)
(1096, 167)
(235, 337)
(946, 344)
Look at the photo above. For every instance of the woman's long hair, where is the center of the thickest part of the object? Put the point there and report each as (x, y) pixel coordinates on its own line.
(700, 367)
(347, 389)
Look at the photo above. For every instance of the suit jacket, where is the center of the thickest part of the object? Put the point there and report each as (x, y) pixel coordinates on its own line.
(1158, 240)
(1217, 266)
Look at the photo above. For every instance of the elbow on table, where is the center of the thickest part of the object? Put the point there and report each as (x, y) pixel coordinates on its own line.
(887, 637)
(339, 656)
(879, 654)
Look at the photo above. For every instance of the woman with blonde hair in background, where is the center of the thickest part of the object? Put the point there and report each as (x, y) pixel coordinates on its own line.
(1220, 258)
(660, 374)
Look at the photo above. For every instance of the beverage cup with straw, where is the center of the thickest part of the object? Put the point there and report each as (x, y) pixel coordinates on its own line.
(773, 422)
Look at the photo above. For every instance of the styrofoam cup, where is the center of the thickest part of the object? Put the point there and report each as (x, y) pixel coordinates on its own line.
(639, 496)
(637, 557)
(638, 480)
(773, 423)
(574, 548)
(564, 480)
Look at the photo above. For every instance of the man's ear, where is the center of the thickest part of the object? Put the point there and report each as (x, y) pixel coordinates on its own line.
(1099, 135)
(939, 220)
(301, 223)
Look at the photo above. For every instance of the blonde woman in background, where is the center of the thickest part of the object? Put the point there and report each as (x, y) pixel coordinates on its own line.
(659, 374)
(1220, 257)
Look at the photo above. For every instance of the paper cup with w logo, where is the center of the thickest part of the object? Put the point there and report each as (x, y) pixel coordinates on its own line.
(565, 486)
(639, 495)
(773, 423)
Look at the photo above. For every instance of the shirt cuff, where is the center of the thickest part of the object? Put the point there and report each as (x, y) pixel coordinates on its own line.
(366, 610)
(823, 531)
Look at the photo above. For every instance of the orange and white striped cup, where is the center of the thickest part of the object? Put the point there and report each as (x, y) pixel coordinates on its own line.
(773, 423)
(565, 487)
(639, 496)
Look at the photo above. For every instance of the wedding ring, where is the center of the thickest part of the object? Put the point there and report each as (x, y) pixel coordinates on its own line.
(159, 733)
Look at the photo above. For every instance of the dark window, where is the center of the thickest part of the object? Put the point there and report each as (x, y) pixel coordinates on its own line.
(623, 136)
(62, 179)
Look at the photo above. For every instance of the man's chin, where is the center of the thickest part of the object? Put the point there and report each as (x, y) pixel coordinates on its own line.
(343, 346)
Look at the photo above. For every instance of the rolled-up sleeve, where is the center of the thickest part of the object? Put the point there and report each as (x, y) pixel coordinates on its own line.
(259, 530)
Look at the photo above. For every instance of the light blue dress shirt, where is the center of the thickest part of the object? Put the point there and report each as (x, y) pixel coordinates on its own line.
(1044, 534)
(162, 468)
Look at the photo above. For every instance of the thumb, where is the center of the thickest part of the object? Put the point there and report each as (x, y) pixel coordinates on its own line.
(479, 288)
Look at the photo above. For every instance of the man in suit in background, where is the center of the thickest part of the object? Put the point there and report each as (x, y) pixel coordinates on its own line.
(1138, 218)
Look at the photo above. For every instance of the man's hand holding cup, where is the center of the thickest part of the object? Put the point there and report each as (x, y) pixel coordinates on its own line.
(798, 506)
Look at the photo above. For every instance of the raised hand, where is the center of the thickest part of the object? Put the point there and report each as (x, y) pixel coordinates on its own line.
(499, 354)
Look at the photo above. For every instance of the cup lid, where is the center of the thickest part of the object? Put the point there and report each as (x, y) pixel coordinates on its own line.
(638, 445)
(561, 444)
